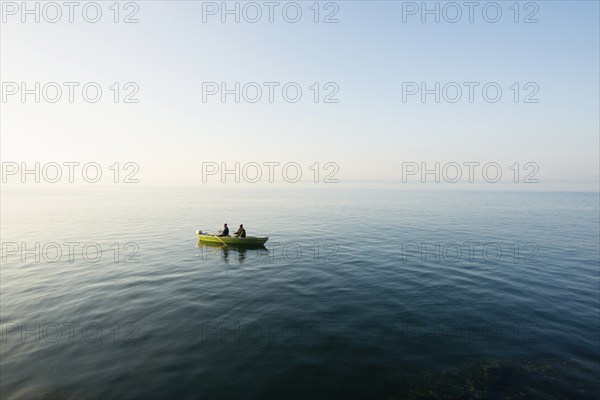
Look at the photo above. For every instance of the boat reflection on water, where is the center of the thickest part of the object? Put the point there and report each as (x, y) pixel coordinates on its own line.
(232, 252)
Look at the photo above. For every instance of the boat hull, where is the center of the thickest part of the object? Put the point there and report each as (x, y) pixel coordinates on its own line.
(247, 241)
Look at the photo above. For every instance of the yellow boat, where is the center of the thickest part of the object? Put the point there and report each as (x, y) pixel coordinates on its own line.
(207, 237)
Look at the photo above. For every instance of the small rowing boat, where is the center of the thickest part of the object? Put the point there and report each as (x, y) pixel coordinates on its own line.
(207, 237)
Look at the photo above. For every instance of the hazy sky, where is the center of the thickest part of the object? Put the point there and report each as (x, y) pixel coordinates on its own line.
(370, 57)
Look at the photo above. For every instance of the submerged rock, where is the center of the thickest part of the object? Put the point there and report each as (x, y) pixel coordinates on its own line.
(508, 379)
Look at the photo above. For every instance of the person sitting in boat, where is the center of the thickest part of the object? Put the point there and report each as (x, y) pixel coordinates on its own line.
(241, 232)
(225, 231)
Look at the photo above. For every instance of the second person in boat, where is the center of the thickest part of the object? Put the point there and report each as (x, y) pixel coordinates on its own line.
(241, 232)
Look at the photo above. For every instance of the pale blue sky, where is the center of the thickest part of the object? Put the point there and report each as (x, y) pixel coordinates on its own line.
(369, 53)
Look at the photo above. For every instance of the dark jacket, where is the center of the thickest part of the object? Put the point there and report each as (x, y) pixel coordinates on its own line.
(240, 233)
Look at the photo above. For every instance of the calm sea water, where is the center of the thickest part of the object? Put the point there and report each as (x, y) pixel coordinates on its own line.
(358, 294)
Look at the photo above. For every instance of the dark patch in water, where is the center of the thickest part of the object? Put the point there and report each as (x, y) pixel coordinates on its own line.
(508, 379)
(56, 394)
